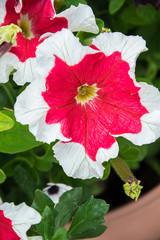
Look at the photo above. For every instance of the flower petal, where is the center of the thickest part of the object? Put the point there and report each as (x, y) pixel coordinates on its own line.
(30, 108)
(55, 190)
(26, 71)
(65, 46)
(77, 164)
(2, 10)
(7, 64)
(6, 228)
(35, 238)
(18, 6)
(80, 18)
(150, 98)
(22, 217)
(129, 46)
(35, 9)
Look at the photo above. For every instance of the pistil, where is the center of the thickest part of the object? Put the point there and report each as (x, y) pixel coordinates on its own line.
(86, 93)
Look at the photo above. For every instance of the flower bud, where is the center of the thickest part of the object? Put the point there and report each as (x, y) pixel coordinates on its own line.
(133, 188)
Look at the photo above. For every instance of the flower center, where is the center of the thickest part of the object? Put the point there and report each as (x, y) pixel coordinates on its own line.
(86, 93)
(25, 24)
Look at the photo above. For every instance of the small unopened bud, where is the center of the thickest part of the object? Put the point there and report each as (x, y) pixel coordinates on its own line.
(8, 34)
(132, 188)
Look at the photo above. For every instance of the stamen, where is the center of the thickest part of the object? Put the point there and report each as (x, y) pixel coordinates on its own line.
(86, 93)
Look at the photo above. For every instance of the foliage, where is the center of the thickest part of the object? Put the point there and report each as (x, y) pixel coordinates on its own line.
(86, 218)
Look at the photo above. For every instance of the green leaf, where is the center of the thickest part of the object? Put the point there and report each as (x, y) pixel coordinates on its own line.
(91, 233)
(142, 152)
(153, 149)
(41, 200)
(61, 5)
(115, 5)
(25, 178)
(18, 139)
(130, 152)
(5, 122)
(154, 164)
(156, 83)
(67, 205)
(46, 226)
(107, 170)
(61, 234)
(44, 163)
(2, 176)
(7, 95)
(147, 13)
(74, 2)
(88, 216)
(135, 16)
(9, 167)
(86, 38)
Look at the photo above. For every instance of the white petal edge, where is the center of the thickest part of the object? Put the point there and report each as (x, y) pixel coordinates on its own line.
(30, 108)
(7, 64)
(129, 46)
(62, 189)
(150, 98)
(80, 18)
(22, 217)
(35, 238)
(26, 71)
(2, 10)
(77, 164)
(64, 45)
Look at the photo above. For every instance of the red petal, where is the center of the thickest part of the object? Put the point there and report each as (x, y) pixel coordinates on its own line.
(6, 229)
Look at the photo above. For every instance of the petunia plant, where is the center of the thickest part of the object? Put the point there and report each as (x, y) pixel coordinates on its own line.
(74, 106)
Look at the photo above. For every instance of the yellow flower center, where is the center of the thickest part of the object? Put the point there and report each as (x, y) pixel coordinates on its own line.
(86, 93)
(25, 24)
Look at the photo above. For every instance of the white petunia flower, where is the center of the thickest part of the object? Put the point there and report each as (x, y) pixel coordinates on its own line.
(55, 190)
(15, 221)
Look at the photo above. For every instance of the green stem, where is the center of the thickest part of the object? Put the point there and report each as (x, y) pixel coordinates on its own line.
(10, 92)
(122, 169)
(132, 187)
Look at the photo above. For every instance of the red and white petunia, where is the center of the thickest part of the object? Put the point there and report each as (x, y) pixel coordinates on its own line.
(15, 221)
(36, 18)
(88, 96)
(55, 190)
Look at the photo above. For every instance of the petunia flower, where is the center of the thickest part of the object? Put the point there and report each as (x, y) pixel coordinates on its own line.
(155, 3)
(55, 190)
(86, 98)
(36, 18)
(16, 220)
